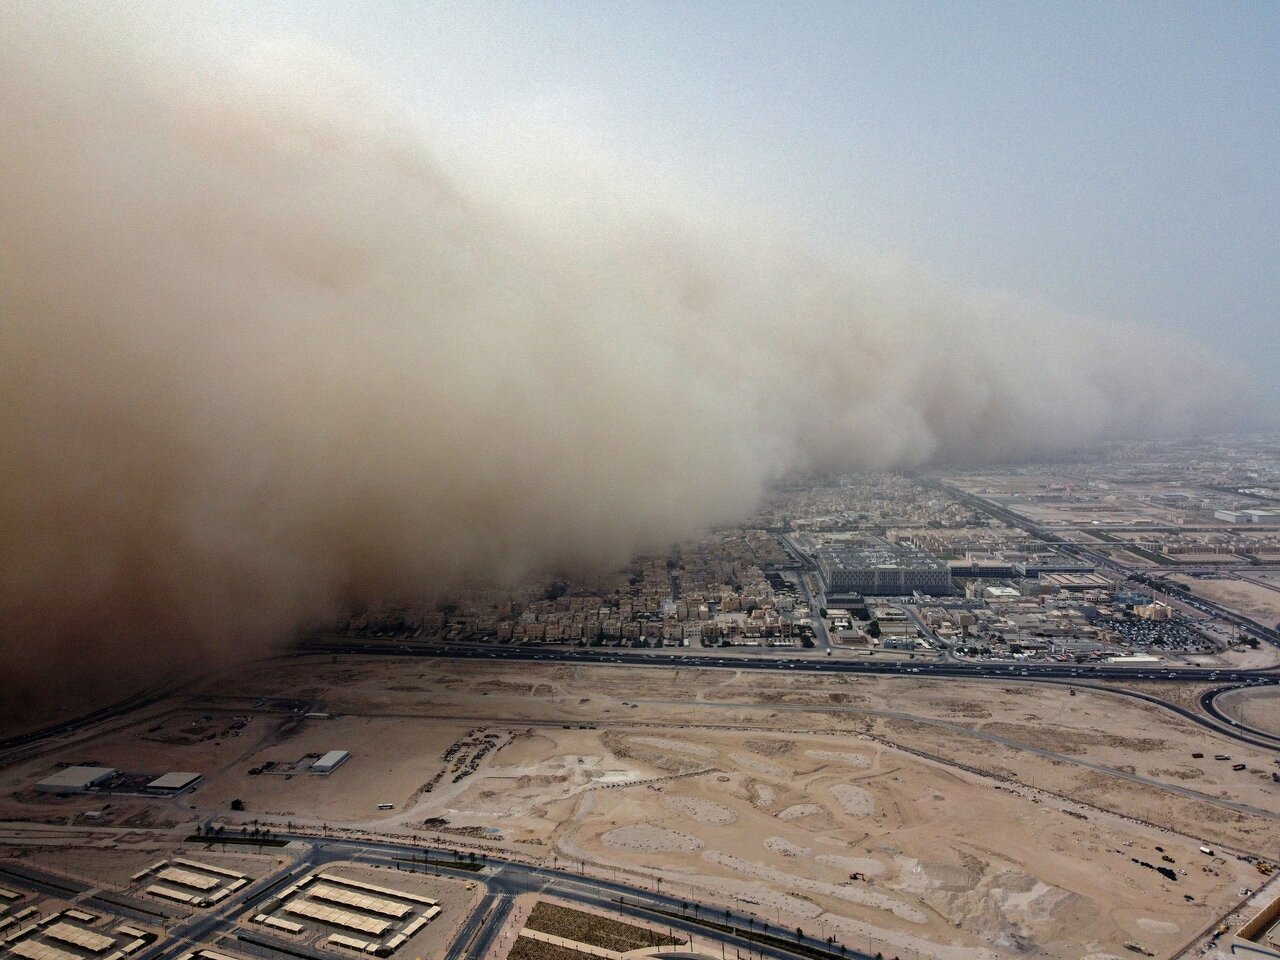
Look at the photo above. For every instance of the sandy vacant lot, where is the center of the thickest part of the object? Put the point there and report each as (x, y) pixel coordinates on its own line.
(958, 819)
(1250, 599)
(1259, 709)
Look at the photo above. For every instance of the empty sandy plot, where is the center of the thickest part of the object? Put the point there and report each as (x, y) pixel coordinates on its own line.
(785, 847)
(798, 810)
(872, 868)
(756, 765)
(836, 756)
(663, 743)
(1250, 599)
(852, 894)
(855, 801)
(704, 811)
(762, 795)
(1255, 708)
(648, 838)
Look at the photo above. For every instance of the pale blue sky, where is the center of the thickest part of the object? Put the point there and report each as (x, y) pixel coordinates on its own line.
(1110, 159)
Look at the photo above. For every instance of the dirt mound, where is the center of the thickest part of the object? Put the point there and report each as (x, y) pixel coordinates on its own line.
(650, 838)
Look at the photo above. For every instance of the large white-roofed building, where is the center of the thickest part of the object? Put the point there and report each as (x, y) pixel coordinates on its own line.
(176, 782)
(75, 779)
(330, 761)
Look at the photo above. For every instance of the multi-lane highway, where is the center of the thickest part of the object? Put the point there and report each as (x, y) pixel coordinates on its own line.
(1242, 730)
(816, 601)
(134, 702)
(1054, 673)
(797, 662)
(1101, 560)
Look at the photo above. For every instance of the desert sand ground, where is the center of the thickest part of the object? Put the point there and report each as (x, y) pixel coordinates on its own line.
(959, 819)
(1250, 599)
(115, 867)
(1259, 709)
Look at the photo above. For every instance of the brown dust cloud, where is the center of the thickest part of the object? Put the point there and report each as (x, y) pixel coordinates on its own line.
(264, 355)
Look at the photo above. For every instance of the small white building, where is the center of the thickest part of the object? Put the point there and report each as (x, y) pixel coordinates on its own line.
(330, 762)
(1003, 594)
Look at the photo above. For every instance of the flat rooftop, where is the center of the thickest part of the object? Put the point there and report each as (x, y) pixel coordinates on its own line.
(878, 553)
(75, 778)
(174, 781)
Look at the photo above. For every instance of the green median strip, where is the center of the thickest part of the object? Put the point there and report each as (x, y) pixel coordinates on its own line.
(473, 867)
(238, 840)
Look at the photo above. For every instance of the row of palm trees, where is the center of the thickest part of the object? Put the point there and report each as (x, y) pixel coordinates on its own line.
(685, 907)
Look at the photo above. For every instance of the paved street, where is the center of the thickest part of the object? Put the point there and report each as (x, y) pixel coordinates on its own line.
(503, 880)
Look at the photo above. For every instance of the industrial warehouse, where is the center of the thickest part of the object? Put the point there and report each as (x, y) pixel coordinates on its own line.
(77, 779)
(315, 763)
(330, 762)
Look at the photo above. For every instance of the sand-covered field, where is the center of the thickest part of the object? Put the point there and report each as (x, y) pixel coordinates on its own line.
(114, 868)
(957, 819)
(1258, 708)
(1250, 599)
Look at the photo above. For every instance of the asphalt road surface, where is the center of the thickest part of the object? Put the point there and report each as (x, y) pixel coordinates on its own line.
(504, 881)
(802, 664)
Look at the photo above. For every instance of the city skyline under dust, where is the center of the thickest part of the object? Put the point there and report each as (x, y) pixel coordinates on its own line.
(269, 352)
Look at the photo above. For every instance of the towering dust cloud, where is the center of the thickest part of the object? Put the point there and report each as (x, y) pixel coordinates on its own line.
(263, 356)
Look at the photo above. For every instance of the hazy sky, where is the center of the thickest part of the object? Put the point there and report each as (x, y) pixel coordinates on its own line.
(300, 312)
(1112, 160)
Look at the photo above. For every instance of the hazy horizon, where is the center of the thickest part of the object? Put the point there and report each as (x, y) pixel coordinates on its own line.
(1105, 162)
(283, 332)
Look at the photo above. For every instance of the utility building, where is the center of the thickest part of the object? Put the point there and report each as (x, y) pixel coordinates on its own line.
(330, 762)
